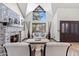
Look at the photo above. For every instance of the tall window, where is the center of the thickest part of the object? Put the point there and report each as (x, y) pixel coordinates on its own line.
(39, 19)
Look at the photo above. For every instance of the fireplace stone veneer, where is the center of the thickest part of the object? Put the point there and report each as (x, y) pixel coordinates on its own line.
(12, 31)
(5, 33)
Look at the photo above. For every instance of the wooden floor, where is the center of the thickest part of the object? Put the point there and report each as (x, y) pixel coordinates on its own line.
(75, 46)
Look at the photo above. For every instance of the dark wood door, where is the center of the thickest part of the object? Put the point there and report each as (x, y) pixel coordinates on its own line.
(69, 31)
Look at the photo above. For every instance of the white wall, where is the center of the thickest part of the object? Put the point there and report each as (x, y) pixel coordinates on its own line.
(63, 14)
(68, 14)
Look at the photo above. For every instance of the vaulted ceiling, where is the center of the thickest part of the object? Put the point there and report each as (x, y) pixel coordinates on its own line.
(23, 6)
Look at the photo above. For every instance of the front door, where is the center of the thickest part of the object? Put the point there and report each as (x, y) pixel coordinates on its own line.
(69, 31)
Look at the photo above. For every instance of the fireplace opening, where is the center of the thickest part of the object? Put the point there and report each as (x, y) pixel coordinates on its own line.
(14, 38)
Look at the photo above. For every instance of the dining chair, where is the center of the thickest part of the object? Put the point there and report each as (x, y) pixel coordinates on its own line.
(56, 49)
(18, 49)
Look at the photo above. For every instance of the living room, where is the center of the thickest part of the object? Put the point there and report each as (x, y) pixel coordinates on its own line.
(39, 29)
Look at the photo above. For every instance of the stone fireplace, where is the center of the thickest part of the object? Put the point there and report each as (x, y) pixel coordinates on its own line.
(12, 34)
